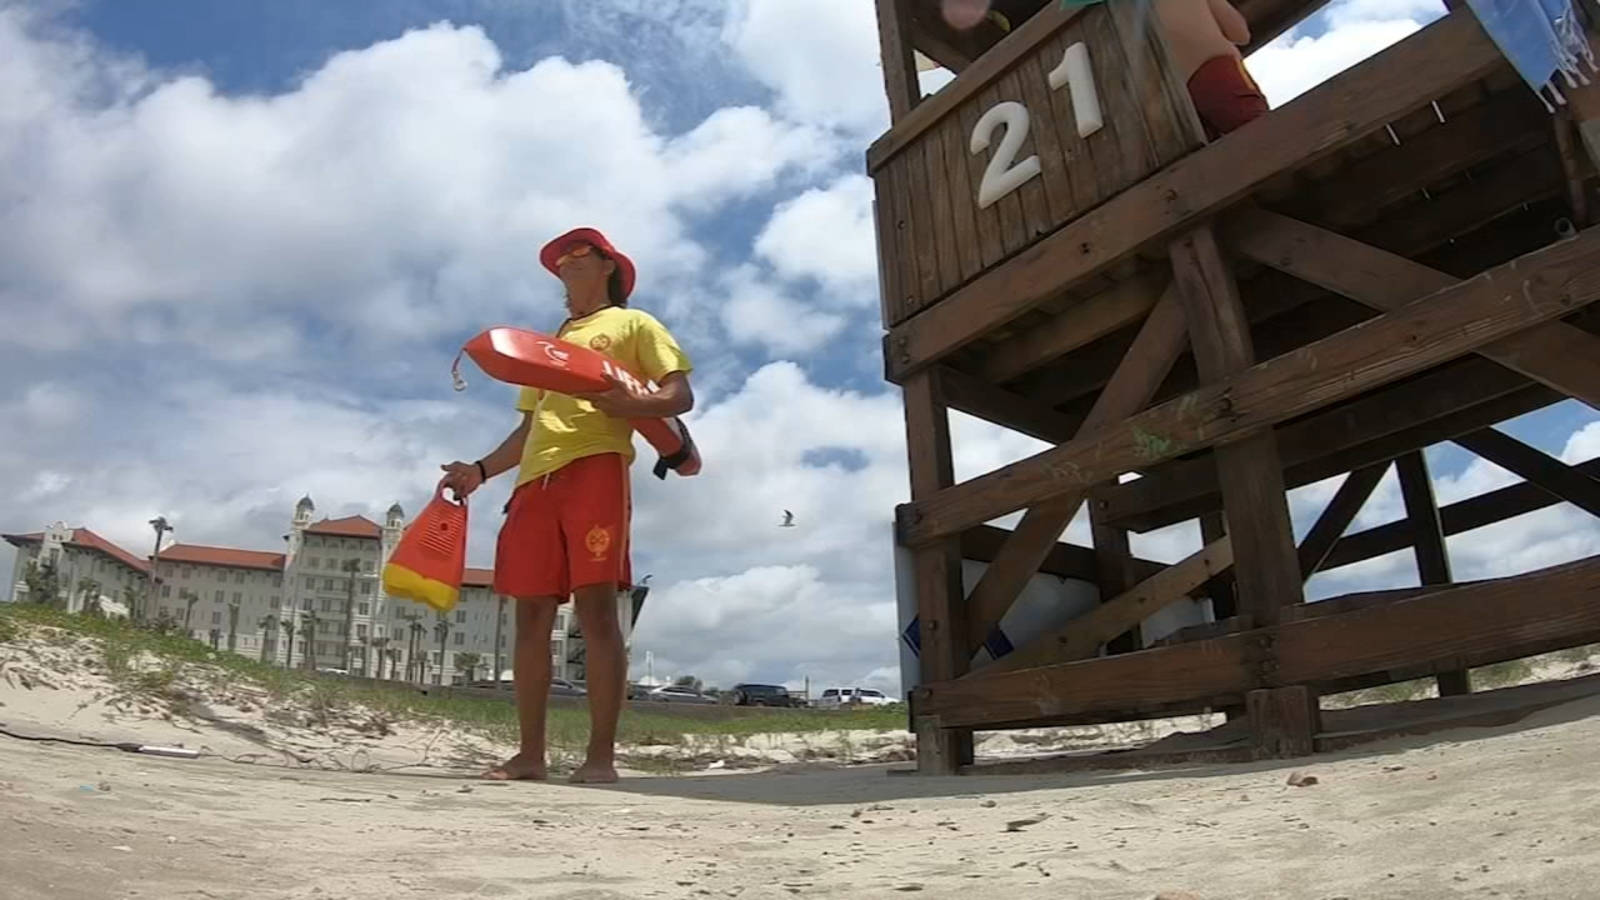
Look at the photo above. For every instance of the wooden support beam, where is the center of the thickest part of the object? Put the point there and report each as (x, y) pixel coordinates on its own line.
(1555, 353)
(1248, 469)
(979, 398)
(1115, 561)
(1427, 544)
(1444, 55)
(982, 544)
(1081, 638)
(1552, 282)
(1457, 518)
(1224, 605)
(937, 568)
(1094, 318)
(899, 64)
(1283, 722)
(1540, 468)
(1474, 625)
(1340, 512)
(1160, 342)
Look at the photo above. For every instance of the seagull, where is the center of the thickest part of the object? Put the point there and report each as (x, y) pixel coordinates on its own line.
(788, 519)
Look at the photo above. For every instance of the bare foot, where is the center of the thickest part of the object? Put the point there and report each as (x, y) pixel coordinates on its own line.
(594, 773)
(517, 768)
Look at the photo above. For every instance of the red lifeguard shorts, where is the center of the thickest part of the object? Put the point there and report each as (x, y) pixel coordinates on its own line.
(1225, 95)
(566, 530)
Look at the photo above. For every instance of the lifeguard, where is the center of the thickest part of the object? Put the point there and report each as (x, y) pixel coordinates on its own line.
(1204, 37)
(567, 525)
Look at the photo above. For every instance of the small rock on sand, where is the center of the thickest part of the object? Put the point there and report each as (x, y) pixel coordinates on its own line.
(1301, 779)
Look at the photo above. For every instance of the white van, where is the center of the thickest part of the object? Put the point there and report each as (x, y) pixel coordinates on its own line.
(834, 698)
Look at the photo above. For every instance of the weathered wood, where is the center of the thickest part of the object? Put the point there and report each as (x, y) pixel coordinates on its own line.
(963, 204)
(1461, 397)
(1283, 722)
(940, 196)
(1340, 512)
(1015, 46)
(1213, 527)
(1119, 570)
(1555, 353)
(1552, 282)
(1446, 53)
(937, 568)
(1248, 470)
(1094, 318)
(1081, 638)
(953, 49)
(899, 64)
(1160, 341)
(1457, 518)
(1002, 407)
(1480, 623)
(1540, 468)
(982, 544)
(1171, 125)
(1505, 186)
(1427, 543)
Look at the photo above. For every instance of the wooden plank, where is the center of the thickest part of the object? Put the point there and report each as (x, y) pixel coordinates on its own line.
(1483, 623)
(899, 64)
(1283, 722)
(1422, 512)
(1122, 151)
(1170, 124)
(1506, 186)
(1549, 473)
(1054, 177)
(905, 255)
(1081, 638)
(1555, 353)
(1441, 56)
(937, 568)
(991, 249)
(1552, 282)
(1076, 152)
(1036, 219)
(1248, 470)
(924, 236)
(982, 544)
(1017, 45)
(962, 200)
(1337, 516)
(943, 214)
(1114, 562)
(1088, 321)
(1457, 518)
(977, 397)
(1160, 341)
(889, 278)
(1013, 230)
(1213, 527)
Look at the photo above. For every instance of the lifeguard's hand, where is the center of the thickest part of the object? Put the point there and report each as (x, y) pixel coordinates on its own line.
(618, 401)
(462, 478)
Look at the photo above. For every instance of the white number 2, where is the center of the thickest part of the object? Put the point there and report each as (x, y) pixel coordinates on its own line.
(1001, 177)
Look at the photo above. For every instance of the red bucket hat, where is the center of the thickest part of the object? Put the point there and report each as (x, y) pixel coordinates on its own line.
(553, 250)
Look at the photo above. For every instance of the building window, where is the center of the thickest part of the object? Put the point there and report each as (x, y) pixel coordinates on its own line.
(461, 617)
(238, 597)
(184, 574)
(362, 609)
(361, 631)
(276, 602)
(306, 604)
(314, 562)
(277, 581)
(327, 584)
(166, 590)
(366, 588)
(216, 617)
(238, 577)
(219, 596)
(461, 639)
(311, 583)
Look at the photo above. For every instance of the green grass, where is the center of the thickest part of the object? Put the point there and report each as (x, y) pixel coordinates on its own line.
(322, 696)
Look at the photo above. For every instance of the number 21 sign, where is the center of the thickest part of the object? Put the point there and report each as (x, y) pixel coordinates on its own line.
(1004, 174)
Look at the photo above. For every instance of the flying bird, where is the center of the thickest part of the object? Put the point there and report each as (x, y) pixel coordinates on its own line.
(788, 519)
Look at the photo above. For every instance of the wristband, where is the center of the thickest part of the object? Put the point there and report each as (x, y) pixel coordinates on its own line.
(483, 473)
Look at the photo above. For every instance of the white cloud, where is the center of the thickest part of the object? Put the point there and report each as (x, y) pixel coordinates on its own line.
(820, 57)
(827, 235)
(1355, 30)
(757, 312)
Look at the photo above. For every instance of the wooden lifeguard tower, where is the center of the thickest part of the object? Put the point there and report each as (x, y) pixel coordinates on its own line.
(1395, 259)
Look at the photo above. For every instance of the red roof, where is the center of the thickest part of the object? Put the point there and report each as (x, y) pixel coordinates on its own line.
(83, 537)
(349, 526)
(222, 556)
(477, 578)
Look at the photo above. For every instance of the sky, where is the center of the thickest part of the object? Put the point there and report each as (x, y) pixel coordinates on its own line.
(244, 242)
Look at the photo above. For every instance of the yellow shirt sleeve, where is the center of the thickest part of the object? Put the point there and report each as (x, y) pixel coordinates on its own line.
(528, 399)
(658, 352)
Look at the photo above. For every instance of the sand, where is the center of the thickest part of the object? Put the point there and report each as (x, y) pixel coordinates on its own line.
(1504, 812)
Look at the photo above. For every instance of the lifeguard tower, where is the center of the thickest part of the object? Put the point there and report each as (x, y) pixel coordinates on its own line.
(1397, 258)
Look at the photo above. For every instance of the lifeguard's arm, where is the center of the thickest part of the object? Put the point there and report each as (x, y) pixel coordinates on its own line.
(674, 397)
(1233, 25)
(463, 477)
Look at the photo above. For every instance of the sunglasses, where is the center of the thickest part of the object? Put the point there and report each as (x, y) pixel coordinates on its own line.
(577, 251)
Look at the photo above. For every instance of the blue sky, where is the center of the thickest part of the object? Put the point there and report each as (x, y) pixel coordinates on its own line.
(248, 238)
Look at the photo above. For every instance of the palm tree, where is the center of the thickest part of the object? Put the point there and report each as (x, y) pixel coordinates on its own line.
(287, 625)
(89, 589)
(499, 622)
(308, 633)
(216, 637)
(265, 625)
(378, 643)
(191, 599)
(394, 661)
(468, 662)
(349, 567)
(417, 630)
(442, 629)
(233, 625)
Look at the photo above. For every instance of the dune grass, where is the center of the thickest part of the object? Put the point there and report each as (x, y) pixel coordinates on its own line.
(568, 726)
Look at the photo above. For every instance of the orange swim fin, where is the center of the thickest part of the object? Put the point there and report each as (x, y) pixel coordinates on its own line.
(429, 562)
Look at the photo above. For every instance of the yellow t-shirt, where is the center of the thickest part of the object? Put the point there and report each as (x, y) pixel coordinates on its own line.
(565, 429)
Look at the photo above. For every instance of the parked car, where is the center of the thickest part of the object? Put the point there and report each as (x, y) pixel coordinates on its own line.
(834, 698)
(764, 695)
(673, 694)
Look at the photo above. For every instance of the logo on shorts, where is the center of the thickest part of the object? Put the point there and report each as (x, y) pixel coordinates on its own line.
(598, 541)
(600, 342)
